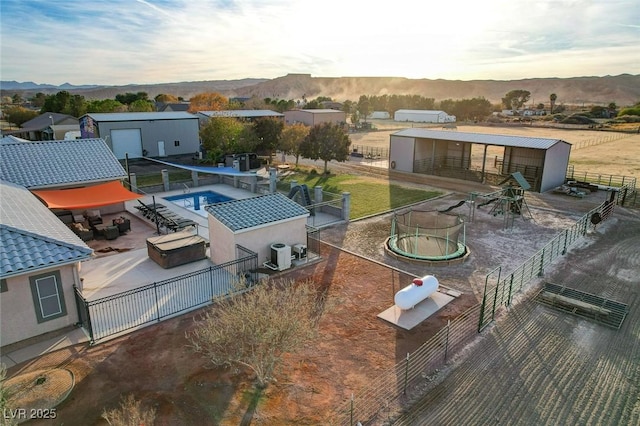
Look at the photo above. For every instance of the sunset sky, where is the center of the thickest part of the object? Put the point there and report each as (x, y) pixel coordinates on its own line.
(159, 41)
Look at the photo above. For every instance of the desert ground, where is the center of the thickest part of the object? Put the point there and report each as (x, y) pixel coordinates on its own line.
(540, 366)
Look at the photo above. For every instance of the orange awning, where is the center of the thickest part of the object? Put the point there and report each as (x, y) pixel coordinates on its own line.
(88, 197)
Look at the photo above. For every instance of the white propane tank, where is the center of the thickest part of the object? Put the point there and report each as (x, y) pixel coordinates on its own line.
(416, 292)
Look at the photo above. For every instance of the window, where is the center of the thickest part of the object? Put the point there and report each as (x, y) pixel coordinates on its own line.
(48, 298)
(176, 143)
(3, 285)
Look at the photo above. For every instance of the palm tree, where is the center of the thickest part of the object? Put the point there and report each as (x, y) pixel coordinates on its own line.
(553, 98)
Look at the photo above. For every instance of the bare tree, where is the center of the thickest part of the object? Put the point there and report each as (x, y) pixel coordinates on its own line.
(257, 328)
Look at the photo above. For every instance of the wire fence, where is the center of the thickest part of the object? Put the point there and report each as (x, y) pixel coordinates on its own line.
(391, 391)
(605, 138)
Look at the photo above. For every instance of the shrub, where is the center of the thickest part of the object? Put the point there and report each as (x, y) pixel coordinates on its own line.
(130, 413)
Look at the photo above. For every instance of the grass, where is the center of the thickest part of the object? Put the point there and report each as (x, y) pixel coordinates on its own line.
(368, 195)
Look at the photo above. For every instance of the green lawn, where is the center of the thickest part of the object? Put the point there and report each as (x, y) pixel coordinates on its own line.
(368, 195)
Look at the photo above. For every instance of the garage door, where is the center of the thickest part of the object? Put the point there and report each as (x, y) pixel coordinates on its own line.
(126, 141)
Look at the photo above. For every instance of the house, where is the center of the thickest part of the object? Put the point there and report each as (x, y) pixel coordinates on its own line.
(313, 117)
(39, 267)
(144, 134)
(172, 106)
(58, 164)
(423, 116)
(240, 114)
(543, 162)
(255, 223)
(43, 127)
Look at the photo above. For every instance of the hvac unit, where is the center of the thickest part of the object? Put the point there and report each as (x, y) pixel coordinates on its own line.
(300, 251)
(281, 256)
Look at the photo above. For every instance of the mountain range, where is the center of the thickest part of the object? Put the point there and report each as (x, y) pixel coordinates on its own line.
(623, 90)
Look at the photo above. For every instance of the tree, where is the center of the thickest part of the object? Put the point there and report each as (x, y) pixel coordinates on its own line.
(208, 102)
(326, 141)
(515, 99)
(18, 115)
(65, 103)
(219, 136)
(364, 107)
(257, 328)
(142, 105)
(38, 100)
(166, 99)
(291, 138)
(552, 101)
(105, 105)
(129, 98)
(268, 130)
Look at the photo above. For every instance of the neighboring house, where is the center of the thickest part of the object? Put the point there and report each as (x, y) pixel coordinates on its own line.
(39, 128)
(171, 107)
(240, 114)
(39, 266)
(144, 134)
(423, 116)
(255, 223)
(313, 117)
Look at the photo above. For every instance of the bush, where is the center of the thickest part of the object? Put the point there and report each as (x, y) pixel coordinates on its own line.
(130, 413)
(578, 119)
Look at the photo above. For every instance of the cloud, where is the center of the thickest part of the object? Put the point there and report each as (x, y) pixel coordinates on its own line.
(153, 41)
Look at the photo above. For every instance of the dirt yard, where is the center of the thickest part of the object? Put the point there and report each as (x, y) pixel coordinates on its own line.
(156, 365)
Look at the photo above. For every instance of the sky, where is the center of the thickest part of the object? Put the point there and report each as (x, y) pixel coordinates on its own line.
(118, 42)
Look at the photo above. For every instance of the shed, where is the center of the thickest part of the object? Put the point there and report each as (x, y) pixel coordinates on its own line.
(542, 161)
(423, 116)
(313, 117)
(255, 223)
(144, 134)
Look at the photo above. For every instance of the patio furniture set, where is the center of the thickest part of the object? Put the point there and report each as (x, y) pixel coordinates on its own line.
(90, 226)
(162, 216)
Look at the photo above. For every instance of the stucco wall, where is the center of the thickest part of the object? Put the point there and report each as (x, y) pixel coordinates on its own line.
(19, 319)
(223, 241)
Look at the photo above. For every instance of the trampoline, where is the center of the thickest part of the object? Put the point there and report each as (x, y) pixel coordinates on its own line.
(428, 236)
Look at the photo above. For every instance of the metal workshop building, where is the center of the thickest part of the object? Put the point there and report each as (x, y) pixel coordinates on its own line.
(144, 134)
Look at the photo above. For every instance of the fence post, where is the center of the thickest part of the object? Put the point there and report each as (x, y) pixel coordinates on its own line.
(484, 302)
(351, 422)
(566, 233)
(446, 342)
(155, 291)
(541, 270)
(406, 375)
(510, 290)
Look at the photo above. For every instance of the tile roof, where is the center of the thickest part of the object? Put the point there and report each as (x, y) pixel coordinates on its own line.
(44, 164)
(257, 211)
(31, 236)
(480, 138)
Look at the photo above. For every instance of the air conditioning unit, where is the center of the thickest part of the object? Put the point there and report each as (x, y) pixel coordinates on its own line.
(281, 256)
(300, 251)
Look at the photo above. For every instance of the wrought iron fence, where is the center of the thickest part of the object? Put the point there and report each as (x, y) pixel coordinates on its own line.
(118, 313)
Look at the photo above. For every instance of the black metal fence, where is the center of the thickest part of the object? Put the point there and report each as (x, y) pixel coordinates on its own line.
(121, 312)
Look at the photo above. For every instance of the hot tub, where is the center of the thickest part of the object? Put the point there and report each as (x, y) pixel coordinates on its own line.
(176, 249)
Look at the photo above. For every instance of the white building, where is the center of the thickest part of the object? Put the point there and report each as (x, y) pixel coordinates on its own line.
(423, 116)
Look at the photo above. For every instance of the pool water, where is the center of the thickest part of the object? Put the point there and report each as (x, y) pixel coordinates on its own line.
(196, 201)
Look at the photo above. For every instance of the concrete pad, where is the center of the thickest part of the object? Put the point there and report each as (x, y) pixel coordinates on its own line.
(410, 318)
(33, 351)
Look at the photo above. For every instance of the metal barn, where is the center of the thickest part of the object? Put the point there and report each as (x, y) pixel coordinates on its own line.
(543, 162)
(423, 116)
(144, 134)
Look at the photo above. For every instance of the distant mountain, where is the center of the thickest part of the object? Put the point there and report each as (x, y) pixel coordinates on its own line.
(622, 89)
(30, 85)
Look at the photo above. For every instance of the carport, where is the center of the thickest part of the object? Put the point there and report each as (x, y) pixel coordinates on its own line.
(543, 162)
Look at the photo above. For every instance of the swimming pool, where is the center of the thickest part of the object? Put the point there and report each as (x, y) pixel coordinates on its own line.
(194, 201)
